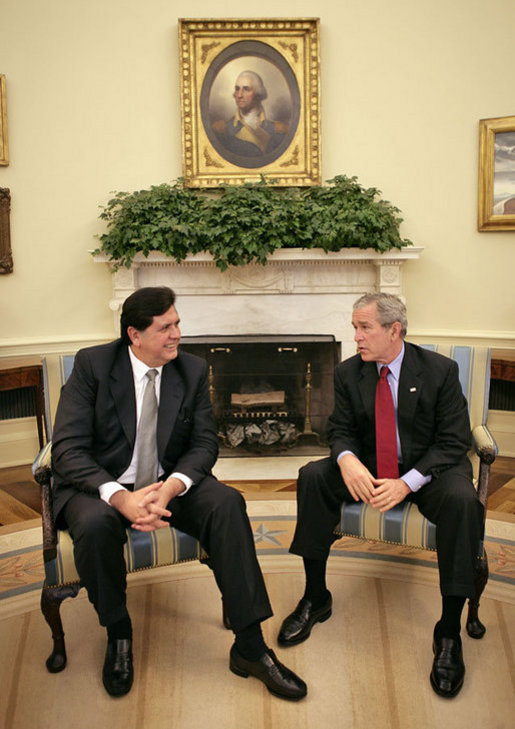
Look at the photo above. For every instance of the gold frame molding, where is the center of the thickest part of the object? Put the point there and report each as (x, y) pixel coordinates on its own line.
(6, 257)
(4, 148)
(289, 48)
(487, 218)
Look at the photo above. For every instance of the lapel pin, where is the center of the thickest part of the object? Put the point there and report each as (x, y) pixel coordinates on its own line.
(413, 389)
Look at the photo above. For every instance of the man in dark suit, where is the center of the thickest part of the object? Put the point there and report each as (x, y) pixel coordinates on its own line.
(135, 397)
(420, 455)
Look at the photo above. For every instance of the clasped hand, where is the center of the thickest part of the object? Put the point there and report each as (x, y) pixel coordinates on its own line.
(380, 493)
(147, 507)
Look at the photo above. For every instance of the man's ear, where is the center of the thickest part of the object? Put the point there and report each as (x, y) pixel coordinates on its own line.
(396, 330)
(134, 335)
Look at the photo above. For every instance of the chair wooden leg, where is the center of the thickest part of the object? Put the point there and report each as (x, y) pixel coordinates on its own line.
(51, 599)
(475, 627)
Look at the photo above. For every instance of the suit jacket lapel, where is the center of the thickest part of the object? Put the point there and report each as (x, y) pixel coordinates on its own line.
(170, 400)
(122, 390)
(411, 381)
(367, 387)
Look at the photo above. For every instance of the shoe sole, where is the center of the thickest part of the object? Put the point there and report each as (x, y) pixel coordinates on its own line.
(302, 638)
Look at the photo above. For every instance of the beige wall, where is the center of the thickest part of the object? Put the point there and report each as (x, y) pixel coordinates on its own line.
(93, 107)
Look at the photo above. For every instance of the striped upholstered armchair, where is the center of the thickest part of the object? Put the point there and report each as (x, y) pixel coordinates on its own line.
(143, 550)
(404, 524)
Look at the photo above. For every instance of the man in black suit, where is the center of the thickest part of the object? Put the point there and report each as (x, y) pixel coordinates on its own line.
(100, 449)
(427, 464)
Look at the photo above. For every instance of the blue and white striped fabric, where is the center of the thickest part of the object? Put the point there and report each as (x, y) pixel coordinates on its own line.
(143, 550)
(404, 524)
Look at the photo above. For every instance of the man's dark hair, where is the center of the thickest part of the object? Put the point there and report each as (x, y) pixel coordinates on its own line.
(142, 306)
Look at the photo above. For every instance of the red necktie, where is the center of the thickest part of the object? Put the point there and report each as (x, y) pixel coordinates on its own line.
(386, 432)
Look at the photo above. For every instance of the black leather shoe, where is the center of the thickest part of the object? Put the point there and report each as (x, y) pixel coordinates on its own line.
(118, 673)
(448, 667)
(297, 626)
(278, 679)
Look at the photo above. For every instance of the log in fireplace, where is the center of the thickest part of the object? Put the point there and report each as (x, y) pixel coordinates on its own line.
(269, 392)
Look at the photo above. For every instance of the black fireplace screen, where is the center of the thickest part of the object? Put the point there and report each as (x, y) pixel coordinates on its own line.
(269, 392)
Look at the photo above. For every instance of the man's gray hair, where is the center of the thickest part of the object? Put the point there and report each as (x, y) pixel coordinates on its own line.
(257, 83)
(389, 309)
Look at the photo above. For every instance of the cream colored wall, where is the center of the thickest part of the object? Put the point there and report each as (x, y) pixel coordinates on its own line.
(93, 106)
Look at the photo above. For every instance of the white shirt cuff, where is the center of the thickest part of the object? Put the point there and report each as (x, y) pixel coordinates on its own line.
(106, 490)
(344, 453)
(415, 480)
(187, 481)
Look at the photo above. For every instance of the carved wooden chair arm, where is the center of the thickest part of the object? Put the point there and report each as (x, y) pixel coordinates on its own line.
(43, 476)
(486, 448)
(484, 444)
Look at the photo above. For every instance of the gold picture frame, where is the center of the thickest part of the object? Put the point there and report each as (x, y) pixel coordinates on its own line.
(283, 141)
(496, 202)
(4, 148)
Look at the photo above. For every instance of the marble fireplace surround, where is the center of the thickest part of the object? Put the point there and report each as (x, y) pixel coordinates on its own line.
(298, 292)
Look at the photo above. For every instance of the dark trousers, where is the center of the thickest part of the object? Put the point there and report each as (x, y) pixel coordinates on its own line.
(449, 501)
(210, 511)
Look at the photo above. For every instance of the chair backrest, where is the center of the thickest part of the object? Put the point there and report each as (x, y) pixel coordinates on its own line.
(473, 363)
(56, 370)
(474, 374)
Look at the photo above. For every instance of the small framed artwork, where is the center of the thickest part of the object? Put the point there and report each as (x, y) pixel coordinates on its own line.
(4, 149)
(6, 258)
(496, 203)
(250, 101)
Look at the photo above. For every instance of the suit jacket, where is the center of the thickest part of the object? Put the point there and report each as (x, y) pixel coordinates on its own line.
(432, 414)
(95, 426)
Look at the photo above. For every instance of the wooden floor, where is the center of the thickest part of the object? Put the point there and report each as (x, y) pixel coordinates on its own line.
(20, 501)
(366, 668)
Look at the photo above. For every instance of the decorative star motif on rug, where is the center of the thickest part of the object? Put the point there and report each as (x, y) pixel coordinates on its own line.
(264, 534)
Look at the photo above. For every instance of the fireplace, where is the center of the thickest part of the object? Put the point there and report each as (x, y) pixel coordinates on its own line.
(297, 291)
(270, 393)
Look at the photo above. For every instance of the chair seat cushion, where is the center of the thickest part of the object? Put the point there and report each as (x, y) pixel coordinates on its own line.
(403, 524)
(143, 550)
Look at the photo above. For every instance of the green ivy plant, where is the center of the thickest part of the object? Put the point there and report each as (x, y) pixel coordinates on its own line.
(240, 224)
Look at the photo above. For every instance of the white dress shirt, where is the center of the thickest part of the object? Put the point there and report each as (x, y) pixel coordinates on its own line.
(139, 372)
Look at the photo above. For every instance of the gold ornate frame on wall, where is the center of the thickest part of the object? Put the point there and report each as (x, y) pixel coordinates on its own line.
(496, 202)
(4, 149)
(217, 148)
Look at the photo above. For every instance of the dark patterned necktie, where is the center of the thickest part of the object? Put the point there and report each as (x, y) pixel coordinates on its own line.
(386, 432)
(147, 464)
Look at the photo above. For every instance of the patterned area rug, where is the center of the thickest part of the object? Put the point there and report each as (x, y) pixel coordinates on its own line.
(273, 523)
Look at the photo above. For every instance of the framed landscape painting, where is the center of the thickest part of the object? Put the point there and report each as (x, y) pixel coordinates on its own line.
(496, 204)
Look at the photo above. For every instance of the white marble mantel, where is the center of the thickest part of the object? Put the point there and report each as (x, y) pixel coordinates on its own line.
(299, 291)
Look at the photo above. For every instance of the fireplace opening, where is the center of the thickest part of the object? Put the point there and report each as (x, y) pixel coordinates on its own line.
(270, 393)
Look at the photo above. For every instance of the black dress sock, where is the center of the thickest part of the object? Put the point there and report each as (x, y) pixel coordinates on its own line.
(316, 589)
(120, 630)
(250, 643)
(449, 625)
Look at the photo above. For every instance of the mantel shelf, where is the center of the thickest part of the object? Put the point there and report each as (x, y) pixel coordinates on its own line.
(298, 291)
(307, 256)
